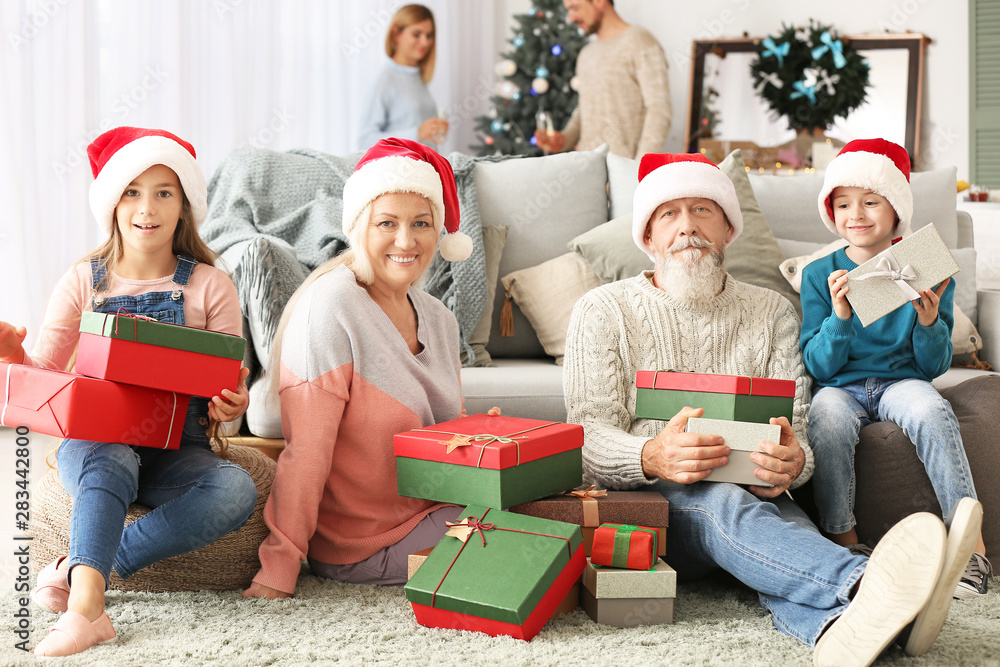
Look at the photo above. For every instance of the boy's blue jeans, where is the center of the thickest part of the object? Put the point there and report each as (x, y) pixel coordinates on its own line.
(196, 498)
(836, 417)
(802, 578)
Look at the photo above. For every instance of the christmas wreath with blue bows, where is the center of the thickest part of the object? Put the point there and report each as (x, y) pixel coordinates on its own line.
(809, 75)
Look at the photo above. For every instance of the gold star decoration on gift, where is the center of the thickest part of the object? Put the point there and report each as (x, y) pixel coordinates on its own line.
(459, 529)
(455, 442)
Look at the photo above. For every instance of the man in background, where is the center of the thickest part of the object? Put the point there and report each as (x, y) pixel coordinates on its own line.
(624, 93)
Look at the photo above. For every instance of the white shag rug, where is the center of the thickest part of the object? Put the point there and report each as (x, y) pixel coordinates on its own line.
(330, 623)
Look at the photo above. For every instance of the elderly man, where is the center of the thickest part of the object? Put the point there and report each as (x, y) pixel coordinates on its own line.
(688, 314)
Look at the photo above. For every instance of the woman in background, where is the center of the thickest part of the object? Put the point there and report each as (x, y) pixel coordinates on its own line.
(400, 105)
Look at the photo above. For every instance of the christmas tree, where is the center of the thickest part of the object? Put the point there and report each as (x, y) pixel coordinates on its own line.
(534, 76)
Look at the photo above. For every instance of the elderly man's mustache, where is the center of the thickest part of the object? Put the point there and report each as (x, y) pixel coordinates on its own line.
(690, 242)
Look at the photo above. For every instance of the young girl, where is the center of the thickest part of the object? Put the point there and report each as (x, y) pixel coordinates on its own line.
(149, 194)
(400, 105)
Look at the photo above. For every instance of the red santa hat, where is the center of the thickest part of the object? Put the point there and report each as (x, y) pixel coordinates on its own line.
(401, 165)
(121, 154)
(668, 176)
(873, 164)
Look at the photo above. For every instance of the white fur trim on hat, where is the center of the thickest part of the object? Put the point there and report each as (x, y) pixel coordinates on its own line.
(136, 157)
(872, 171)
(391, 174)
(676, 181)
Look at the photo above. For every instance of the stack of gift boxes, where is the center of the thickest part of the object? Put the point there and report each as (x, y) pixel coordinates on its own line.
(518, 552)
(132, 382)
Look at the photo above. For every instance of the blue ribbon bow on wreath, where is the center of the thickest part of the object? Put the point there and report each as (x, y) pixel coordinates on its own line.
(778, 52)
(836, 47)
(805, 88)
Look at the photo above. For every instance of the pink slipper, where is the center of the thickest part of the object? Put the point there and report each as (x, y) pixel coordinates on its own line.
(51, 590)
(73, 634)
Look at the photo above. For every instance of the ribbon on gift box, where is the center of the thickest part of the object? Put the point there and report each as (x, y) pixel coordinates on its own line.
(589, 496)
(464, 440)
(887, 267)
(621, 553)
(122, 312)
(463, 529)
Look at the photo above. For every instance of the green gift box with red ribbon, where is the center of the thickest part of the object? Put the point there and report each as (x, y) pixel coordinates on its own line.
(497, 572)
(490, 460)
(625, 546)
(662, 394)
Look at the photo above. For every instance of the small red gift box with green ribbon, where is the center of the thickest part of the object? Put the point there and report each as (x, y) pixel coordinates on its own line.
(498, 573)
(625, 546)
(490, 460)
(140, 351)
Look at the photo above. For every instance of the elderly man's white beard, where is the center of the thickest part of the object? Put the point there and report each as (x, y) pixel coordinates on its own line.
(688, 274)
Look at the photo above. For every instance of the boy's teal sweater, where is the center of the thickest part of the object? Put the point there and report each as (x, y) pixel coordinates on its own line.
(837, 352)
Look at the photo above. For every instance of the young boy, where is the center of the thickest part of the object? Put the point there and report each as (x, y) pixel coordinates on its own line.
(882, 372)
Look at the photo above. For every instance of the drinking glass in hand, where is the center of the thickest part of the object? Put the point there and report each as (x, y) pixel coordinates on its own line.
(544, 123)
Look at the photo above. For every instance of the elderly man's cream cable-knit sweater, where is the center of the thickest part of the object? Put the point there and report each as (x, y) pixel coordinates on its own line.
(630, 325)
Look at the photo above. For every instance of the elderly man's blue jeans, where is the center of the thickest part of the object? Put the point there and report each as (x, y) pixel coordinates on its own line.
(802, 578)
(837, 416)
(196, 498)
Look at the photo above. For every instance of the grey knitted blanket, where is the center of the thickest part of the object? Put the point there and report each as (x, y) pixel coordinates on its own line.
(295, 197)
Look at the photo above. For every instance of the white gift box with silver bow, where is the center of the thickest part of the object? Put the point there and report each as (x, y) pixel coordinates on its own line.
(897, 275)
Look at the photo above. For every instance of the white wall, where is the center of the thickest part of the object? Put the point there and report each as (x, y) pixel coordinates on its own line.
(944, 131)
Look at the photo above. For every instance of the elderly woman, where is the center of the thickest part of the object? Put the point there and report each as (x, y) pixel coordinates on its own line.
(365, 354)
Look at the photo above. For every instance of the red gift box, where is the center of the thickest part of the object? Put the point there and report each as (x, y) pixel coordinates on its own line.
(504, 442)
(135, 351)
(73, 406)
(714, 384)
(622, 545)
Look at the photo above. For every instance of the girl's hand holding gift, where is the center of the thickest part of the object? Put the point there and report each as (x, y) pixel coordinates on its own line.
(11, 338)
(231, 404)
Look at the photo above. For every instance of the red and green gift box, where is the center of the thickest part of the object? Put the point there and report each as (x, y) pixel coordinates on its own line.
(589, 507)
(498, 573)
(624, 546)
(67, 405)
(490, 460)
(146, 353)
(662, 394)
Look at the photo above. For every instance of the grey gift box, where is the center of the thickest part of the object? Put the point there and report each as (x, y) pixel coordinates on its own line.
(743, 438)
(926, 255)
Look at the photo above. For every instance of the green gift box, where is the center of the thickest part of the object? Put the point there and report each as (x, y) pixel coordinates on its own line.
(662, 394)
(497, 572)
(490, 460)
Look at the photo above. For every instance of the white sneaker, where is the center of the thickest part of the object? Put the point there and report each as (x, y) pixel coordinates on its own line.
(898, 582)
(964, 524)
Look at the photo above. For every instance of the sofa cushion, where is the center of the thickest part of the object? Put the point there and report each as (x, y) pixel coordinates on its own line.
(789, 204)
(494, 239)
(544, 202)
(610, 250)
(623, 178)
(529, 388)
(546, 295)
(755, 256)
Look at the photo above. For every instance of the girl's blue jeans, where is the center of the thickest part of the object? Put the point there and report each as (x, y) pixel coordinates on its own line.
(195, 496)
(836, 417)
(802, 578)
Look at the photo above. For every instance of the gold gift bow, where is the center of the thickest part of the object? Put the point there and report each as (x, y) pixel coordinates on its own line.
(886, 267)
(591, 513)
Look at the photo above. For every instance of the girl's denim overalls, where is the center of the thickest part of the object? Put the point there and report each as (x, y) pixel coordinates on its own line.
(196, 497)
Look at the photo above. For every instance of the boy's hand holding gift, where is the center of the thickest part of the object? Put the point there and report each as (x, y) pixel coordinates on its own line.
(927, 304)
(838, 293)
